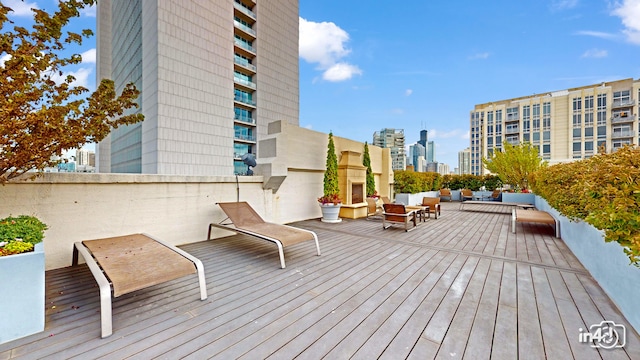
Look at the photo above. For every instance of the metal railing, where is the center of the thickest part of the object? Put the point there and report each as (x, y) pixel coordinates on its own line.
(244, 137)
(244, 100)
(622, 134)
(245, 119)
(623, 103)
(247, 83)
(244, 27)
(616, 118)
(244, 62)
(244, 10)
(245, 46)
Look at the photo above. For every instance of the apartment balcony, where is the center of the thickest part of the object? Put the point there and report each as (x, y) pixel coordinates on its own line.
(244, 120)
(623, 118)
(623, 103)
(245, 138)
(244, 101)
(623, 134)
(244, 28)
(512, 131)
(246, 48)
(512, 118)
(513, 141)
(244, 63)
(243, 9)
(246, 83)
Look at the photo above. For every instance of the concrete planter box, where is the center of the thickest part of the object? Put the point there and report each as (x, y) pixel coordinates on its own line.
(415, 199)
(523, 198)
(22, 294)
(456, 195)
(606, 262)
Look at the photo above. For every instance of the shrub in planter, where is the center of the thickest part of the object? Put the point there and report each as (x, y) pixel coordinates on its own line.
(603, 190)
(411, 182)
(20, 234)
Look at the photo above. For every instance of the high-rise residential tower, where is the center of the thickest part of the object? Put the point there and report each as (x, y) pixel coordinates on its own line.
(213, 74)
(393, 139)
(564, 125)
(464, 161)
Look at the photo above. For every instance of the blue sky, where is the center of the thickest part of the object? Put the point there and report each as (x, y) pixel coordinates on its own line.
(417, 65)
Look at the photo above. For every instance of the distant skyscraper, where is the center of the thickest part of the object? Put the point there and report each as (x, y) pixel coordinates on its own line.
(431, 152)
(464, 161)
(423, 138)
(84, 157)
(415, 152)
(443, 169)
(393, 139)
(201, 67)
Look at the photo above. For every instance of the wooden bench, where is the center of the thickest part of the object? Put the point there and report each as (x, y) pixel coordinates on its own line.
(534, 216)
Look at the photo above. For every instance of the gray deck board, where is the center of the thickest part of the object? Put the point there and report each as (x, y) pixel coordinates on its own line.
(461, 287)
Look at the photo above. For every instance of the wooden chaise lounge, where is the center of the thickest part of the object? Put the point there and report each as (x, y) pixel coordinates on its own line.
(534, 216)
(128, 263)
(246, 221)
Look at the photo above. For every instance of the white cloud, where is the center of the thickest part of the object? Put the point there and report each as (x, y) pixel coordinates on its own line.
(598, 34)
(324, 43)
(21, 8)
(310, 127)
(408, 92)
(629, 12)
(484, 55)
(341, 72)
(82, 77)
(89, 56)
(595, 53)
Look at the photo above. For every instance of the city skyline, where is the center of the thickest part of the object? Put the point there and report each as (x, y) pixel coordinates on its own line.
(359, 74)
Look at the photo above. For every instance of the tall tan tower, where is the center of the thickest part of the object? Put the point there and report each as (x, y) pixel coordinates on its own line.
(212, 73)
(565, 125)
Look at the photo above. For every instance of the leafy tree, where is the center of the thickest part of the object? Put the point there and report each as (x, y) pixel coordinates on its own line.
(42, 112)
(366, 161)
(516, 164)
(331, 185)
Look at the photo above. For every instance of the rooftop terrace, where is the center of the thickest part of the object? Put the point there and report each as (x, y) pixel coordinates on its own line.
(462, 286)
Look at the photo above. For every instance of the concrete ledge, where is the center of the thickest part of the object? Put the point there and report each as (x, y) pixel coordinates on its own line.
(353, 211)
(99, 178)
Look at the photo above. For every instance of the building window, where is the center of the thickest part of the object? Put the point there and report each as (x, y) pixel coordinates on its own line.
(490, 130)
(621, 98)
(588, 102)
(577, 133)
(602, 146)
(546, 136)
(577, 147)
(498, 129)
(577, 105)
(577, 120)
(588, 146)
(588, 119)
(536, 137)
(489, 117)
(498, 116)
(602, 132)
(588, 132)
(526, 137)
(546, 149)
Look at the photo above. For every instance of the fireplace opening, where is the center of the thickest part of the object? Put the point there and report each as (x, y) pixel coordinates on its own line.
(357, 193)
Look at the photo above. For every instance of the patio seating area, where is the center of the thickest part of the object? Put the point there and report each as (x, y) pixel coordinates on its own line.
(462, 286)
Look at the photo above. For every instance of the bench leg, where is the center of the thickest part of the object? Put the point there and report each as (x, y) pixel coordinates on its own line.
(513, 221)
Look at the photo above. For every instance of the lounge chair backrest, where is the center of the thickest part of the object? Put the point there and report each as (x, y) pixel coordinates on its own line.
(385, 200)
(466, 192)
(495, 194)
(372, 207)
(241, 213)
(394, 208)
(431, 201)
(445, 192)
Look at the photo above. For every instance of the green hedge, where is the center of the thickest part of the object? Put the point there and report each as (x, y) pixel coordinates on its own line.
(603, 190)
(414, 182)
(472, 182)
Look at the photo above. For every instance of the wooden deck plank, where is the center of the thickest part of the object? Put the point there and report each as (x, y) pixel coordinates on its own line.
(530, 343)
(505, 338)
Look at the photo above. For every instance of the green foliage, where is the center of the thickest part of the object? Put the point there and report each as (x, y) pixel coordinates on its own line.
(20, 232)
(516, 164)
(492, 182)
(603, 190)
(414, 182)
(42, 111)
(366, 161)
(331, 186)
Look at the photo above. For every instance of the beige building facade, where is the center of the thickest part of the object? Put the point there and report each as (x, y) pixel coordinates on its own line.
(565, 125)
(212, 73)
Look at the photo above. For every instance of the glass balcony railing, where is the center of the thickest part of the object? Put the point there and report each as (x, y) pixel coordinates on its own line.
(244, 28)
(244, 10)
(623, 103)
(622, 134)
(245, 119)
(244, 100)
(245, 46)
(245, 137)
(512, 131)
(622, 118)
(245, 82)
(244, 63)
(513, 117)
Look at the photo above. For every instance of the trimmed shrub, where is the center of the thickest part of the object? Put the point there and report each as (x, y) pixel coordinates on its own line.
(414, 182)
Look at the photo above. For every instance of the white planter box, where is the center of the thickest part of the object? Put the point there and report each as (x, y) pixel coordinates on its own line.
(606, 261)
(415, 199)
(22, 294)
(522, 198)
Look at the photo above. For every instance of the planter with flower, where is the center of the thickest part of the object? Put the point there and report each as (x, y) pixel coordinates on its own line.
(22, 279)
(330, 202)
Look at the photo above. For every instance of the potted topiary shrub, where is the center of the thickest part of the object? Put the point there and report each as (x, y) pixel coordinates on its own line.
(330, 201)
(22, 279)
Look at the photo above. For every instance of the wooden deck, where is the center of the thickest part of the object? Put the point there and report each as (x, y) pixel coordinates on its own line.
(462, 286)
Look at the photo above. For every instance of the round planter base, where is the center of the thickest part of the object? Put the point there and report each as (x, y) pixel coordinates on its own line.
(330, 213)
(330, 221)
